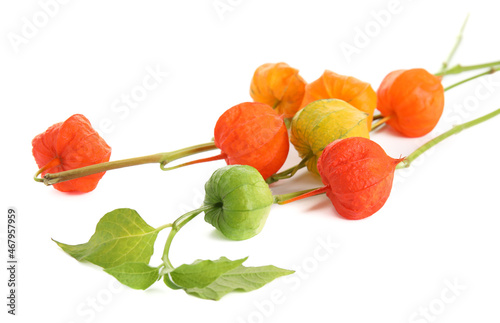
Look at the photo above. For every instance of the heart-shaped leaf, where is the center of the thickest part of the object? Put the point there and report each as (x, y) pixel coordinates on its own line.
(121, 236)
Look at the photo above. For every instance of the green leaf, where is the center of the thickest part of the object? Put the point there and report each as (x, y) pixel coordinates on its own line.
(241, 279)
(137, 275)
(202, 273)
(170, 283)
(121, 236)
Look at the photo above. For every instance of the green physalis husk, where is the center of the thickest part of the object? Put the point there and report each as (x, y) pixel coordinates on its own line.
(240, 200)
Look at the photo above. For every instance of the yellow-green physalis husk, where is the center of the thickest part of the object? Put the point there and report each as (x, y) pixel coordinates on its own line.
(241, 201)
(322, 122)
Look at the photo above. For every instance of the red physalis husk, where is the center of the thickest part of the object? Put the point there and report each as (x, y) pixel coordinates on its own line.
(412, 99)
(358, 176)
(68, 145)
(252, 133)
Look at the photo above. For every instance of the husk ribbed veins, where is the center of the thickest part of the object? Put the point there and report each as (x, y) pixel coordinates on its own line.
(241, 201)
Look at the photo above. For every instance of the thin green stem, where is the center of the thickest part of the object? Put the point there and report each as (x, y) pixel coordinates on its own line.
(490, 71)
(457, 69)
(455, 47)
(181, 153)
(168, 225)
(53, 163)
(288, 122)
(376, 117)
(379, 123)
(456, 129)
(198, 161)
(176, 226)
(161, 158)
(280, 199)
(290, 171)
(40, 180)
(166, 250)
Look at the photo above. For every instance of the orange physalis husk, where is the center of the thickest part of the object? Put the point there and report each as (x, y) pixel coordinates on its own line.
(331, 85)
(68, 145)
(412, 99)
(279, 86)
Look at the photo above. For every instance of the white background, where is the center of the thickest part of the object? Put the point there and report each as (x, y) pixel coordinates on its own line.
(438, 228)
